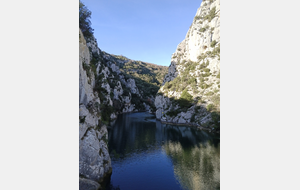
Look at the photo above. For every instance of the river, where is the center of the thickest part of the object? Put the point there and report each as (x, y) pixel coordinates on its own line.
(148, 155)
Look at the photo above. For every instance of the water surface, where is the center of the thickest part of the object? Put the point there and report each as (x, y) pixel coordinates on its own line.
(147, 154)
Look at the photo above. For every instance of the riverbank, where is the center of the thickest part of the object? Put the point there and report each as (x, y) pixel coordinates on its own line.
(211, 130)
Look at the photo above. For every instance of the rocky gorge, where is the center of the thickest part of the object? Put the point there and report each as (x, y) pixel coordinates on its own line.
(188, 92)
(108, 85)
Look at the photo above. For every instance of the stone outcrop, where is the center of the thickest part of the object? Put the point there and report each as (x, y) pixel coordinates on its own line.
(94, 160)
(195, 67)
(88, 184)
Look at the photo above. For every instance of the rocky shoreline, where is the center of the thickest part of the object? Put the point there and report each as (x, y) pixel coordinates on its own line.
(211, 130)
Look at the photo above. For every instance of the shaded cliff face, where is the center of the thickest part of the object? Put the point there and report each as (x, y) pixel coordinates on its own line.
(108, 85)
(94, 160)
(190, 92)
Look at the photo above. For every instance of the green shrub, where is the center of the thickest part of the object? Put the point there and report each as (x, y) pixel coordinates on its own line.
(87, 68)
(216, 101)
(168, 85)
(202, 79)
(207, 70)
(197, 17)
(193, 118)
(210, 93)
(216, 52)
(211, 14)
(126, 91)
(192, 80)
(202, 30)
(173, 113)
(106, 111)
(210, 107)
(216, 119)
(204, 65)
(204, 85)
(207, 74)
(138, 102)
(213, 43)
(81, 119)
(186, 96)
(84, 21)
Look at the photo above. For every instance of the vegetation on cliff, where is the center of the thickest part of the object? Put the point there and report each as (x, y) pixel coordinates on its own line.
(84, 21)
(122, 84)
(148, 76)
(192, 85)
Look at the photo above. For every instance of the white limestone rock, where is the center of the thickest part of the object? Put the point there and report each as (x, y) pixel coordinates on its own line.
(130, 83)
(118, 90)
(198, 41)
(94, 160)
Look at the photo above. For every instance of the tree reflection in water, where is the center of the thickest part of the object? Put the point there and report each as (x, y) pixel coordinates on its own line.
(194, 155)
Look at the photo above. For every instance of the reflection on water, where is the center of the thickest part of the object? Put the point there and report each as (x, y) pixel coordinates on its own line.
(197, 167)
(149, 155)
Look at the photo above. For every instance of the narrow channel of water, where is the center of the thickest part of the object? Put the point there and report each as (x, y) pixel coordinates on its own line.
(147, 154)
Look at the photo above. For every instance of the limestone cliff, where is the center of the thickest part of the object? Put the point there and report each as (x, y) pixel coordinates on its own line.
(190, 93)
(94, 160)
(108, 85)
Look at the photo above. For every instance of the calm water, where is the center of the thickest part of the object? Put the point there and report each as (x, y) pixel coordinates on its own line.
(147, 154)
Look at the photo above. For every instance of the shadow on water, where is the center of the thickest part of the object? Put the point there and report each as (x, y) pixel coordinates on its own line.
(147, 154)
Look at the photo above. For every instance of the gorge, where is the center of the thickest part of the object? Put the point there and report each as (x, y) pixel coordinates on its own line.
(111, 87)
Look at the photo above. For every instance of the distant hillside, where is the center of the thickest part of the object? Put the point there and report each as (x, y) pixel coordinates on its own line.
(148, 76)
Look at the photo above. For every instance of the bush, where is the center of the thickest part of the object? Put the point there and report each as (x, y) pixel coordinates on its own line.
(138, 102)
(210, 93)
(125, 91)
(168, 85)
(204, 65)
(173, 113)
(186, 96)
(192, 80)
(207, 70)
(210, 107)
(197, 17)
(213, 43)
(106, 111)
(193, 118)
(117, 105)
(216, 119)
(202, 30)
(84, 21)
(211, 14)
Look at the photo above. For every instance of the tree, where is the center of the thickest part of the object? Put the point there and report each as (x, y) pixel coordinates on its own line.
(186, 96)
(84, 21)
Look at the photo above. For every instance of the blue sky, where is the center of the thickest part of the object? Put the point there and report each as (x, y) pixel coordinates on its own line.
(145, 30)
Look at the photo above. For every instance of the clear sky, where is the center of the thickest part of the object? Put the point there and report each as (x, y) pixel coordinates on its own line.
(145, 30)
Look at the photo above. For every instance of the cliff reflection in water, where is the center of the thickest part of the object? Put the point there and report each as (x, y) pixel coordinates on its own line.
(193, 155)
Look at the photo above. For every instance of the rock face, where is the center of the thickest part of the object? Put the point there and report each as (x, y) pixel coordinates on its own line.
(108, 85)
(120, 84)
(190, 92)
(94, 160)
(88, 184)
